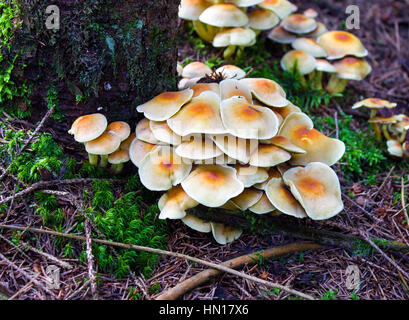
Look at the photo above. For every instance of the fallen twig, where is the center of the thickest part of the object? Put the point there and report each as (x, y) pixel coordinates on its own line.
(90, 260)
(402, 198)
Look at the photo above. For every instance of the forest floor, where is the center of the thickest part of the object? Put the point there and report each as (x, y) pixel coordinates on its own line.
(372, 190)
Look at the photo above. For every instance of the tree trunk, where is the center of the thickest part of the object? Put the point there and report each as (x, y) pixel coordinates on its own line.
(108, 56)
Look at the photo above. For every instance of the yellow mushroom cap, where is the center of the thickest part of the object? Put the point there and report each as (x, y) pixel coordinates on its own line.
(284, 143)
(351, 68)
(267, 91)
(230, 71)
(162, 168)
(224, 15)
(282, 198)
(320, 30)
(262, 19)
(272, 173)
(143, 132)
(89, 127)
(174, 203)
(119, 156)
(282, 8)
(317, 189)
(339, 44)
(384, 120)
(126, 144)
(224, 234)
(262, 206)
(402, 124)
(287, 110)
(192, 9)
(394, 148)
(196, 69)
(202, 87)
(251, 175)
(234, 88)
(138, 151)
(299, 24)
(196, 223)
(121, 128)
(309, 46)
(374, 103)
(198, 148)
(325, 66)
(244, 3)
(247, 198)
(248, 121)
(280, 35)
(304, 62)
(105, 144)
(236, 37)
(234, 147)
(298, 128)
(163, 133)
(212, 185)
(165, 105)
(201, 115)
(268, 156)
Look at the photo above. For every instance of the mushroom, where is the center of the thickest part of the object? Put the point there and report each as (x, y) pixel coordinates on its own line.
(121, 128)
(233, 38)
(269, 156)
(319, 31)
(102, 146)
(298, 60)
(143, 132)
(251, 175)
(384, 122)
(267, 91)
(126, 144)
(394, 148)
(163, 133)
(138, 151)
(117, 160)
(317, 189)
(247, 198)
(401, 126)
(174, 203)
(339, 44)
(309, 46)
(261, 19)
(280, 35)
(405, 148)
(198, 148)
(349, 68)
(224, 234)
(230, 71)
(196, 223)
(310, 13)
(299, 24)
(281, 8)
(212, 185)
(234, 88)
(322, 66)
(272, 173)
(284, 143)
(234, 147)
(202, 87)
(262, 206)
(196, 69)
(244, 3)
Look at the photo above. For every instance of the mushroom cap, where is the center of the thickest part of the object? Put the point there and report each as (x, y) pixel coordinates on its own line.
(282, 8)
(320, 30)
(268, 156)
(284, 143)
(282, 198)
(212, 185)
(126, 144)
(201, 115)
(202, 87)
(247, 198)
(402, 124)
(196, 223)
(198, 148)
(304, 62)
(394, 148)
(230, 71)
(165, 105)
(374, 103)
(244, 3)
(224, 15)
(317, 188)
(339, 44)
(309, 46)
(383, 120)
(119, 156)
(237, 36)
(174, 203)
(262, 19)
(230, 206)
(187, 83)
(192, 9)
(234, 147)
(280, 35)
(138, 151)
(162, 168)
(325, 66)
(262, 206)
(121, 128)
(105, 144)
(251, 175)
(89, 127)
(163, 133)
(405, 148)
(143, 132)
(196, 69)
(351, 68)
(234, 88)
(224, 234)
(179, 69)
(272, 173)
(267, 91)
(298, 128)
(299, 24)
(310, 13)
(248, 121)
(287, 110)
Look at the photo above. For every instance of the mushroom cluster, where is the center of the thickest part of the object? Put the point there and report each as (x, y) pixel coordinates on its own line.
(392, 127)
(313, 47)
(236, 144)
(233, 24)
(109, 142)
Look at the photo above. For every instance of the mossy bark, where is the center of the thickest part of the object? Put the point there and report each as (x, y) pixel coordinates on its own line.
(108, 56)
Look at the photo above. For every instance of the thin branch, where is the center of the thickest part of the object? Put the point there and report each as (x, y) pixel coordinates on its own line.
(90, 260)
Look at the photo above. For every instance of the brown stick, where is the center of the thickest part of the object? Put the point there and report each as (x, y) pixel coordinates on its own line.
(204, 276)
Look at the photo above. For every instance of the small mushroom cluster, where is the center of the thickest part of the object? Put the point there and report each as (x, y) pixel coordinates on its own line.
(226, 23)
(110, 142)
(235, 144)
(313, 47)
(394, 128)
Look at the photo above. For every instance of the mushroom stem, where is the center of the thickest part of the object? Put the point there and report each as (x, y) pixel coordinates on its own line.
(375, 126)
(316, 77)
(402, 136)
(386, 132)
(93, 159)
(117, 168)
(205, 31)
(104, 161)
(229, 51)
(240, 51)
(336, 85)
